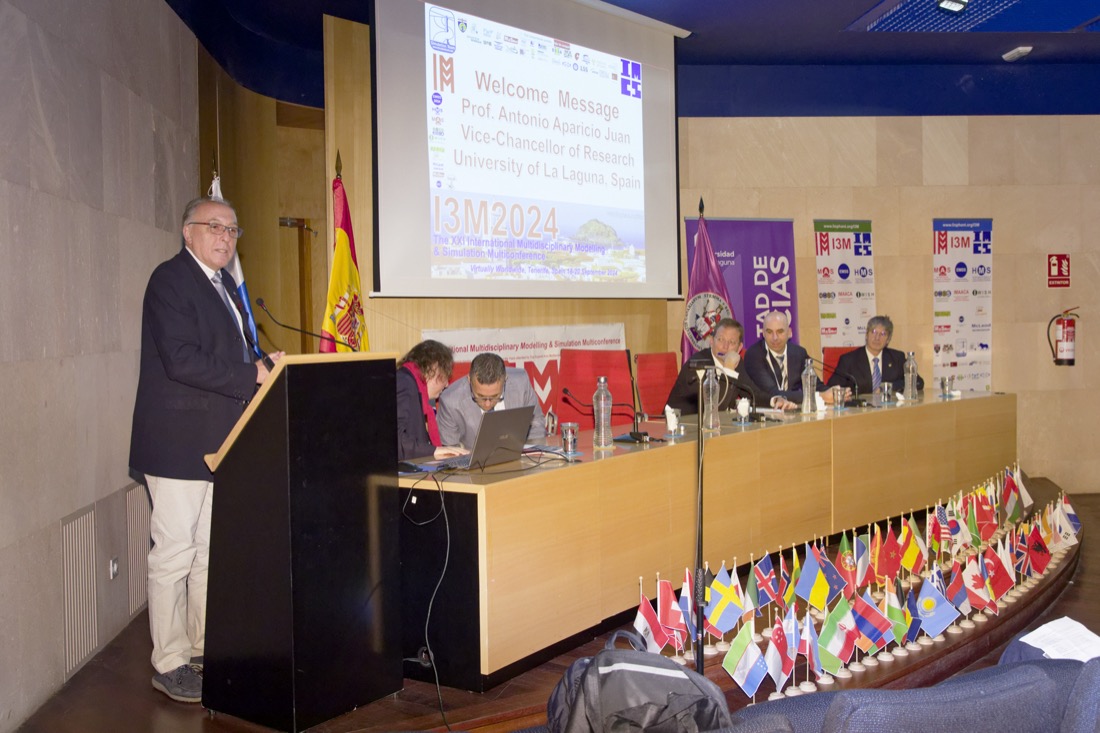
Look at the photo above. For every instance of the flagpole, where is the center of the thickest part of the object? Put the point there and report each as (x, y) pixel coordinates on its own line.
(699, 575)
(756, 604)
(927, 539)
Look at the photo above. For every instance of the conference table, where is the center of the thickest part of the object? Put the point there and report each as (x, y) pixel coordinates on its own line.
(539, 554)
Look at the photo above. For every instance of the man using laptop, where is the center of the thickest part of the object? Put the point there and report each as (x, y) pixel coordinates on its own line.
(488, 386)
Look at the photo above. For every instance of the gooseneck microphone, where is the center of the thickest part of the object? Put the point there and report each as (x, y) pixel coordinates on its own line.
(321, 336)
(856, 401)
(700, 363)
(697, 362)
(757, 417)
(637, 435)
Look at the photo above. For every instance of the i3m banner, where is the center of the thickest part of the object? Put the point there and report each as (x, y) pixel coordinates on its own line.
(962, 303)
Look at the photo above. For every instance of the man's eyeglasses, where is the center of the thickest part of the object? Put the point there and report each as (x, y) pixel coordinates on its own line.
(878, 333)
(218, 229)
(488, 401)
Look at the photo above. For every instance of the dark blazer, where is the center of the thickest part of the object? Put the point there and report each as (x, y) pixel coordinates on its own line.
(412, 432)
(193, 378)
(760, 368)
(460, 417)
(685, 392)
(854, 365)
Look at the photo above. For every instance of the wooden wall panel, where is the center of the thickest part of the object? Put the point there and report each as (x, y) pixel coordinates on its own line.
(268, 171)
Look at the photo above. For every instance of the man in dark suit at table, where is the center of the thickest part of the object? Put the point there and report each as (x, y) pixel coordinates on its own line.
(724, 353)
(490, 385)
(867, 368)
(196, 375)
(775, 362)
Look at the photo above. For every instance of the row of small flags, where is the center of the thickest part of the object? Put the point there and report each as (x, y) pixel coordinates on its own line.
(972, 518)
(981, 575)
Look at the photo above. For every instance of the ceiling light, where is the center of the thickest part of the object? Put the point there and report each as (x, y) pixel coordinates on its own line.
(952, 6)
(1017, 53)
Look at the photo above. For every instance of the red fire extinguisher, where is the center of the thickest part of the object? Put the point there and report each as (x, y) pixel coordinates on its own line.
(1065, 333)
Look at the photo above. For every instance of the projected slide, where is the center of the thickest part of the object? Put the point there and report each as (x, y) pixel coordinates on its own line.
(535, 156)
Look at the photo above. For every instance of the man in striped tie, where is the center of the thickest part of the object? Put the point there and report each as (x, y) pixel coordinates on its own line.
(196, 374)
(775, 363)
(875, 364)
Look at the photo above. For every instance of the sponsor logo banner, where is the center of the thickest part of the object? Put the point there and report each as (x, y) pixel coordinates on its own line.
(962, 277)
(845, 279)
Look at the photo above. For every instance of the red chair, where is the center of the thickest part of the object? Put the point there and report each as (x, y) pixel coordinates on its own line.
(577, 372)
(460, 370)
(655, 374)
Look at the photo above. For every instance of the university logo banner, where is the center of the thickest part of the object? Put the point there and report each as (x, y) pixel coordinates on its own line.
(756, 257)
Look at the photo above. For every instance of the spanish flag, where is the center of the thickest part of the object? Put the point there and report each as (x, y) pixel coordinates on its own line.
(344, 320)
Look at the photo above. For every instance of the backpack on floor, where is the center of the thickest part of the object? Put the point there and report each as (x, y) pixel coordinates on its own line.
(621, 690)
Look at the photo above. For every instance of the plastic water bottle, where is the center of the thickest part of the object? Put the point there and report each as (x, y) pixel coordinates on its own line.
(711, 419)
(809, 389)
(601, 410)
(911, 377)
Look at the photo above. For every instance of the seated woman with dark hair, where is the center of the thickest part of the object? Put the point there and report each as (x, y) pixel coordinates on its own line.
(421, 375)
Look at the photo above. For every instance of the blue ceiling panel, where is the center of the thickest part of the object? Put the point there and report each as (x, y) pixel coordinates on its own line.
(274, 47)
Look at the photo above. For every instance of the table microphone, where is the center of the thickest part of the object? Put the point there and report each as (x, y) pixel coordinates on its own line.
(856, 400)
(700, 363)
(755, 416)
(636, 435)
(323, 337)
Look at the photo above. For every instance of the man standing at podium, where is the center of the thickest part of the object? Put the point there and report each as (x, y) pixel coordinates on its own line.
(196, 375)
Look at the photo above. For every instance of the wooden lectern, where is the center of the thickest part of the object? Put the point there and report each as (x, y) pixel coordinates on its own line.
(304, 589)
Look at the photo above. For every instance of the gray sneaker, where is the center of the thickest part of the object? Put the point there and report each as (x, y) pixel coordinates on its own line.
(184, 683)
(197, 662)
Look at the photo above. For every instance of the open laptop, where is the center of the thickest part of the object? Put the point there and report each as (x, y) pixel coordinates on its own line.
(500, 439)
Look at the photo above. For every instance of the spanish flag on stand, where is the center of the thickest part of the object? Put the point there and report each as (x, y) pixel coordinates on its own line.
(344, 320)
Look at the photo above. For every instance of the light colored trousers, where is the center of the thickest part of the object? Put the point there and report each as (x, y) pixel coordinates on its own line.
(180, 528)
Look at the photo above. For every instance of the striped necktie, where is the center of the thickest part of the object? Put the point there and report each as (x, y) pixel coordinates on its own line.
(220, 287)
(876, 376)
(781, 372)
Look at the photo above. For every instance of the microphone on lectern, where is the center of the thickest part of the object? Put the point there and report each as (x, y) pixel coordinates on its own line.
(323, 337)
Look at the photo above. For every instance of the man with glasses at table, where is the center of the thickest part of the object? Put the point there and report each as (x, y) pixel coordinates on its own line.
(489, 386)
(875, 364)
(724, 353)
